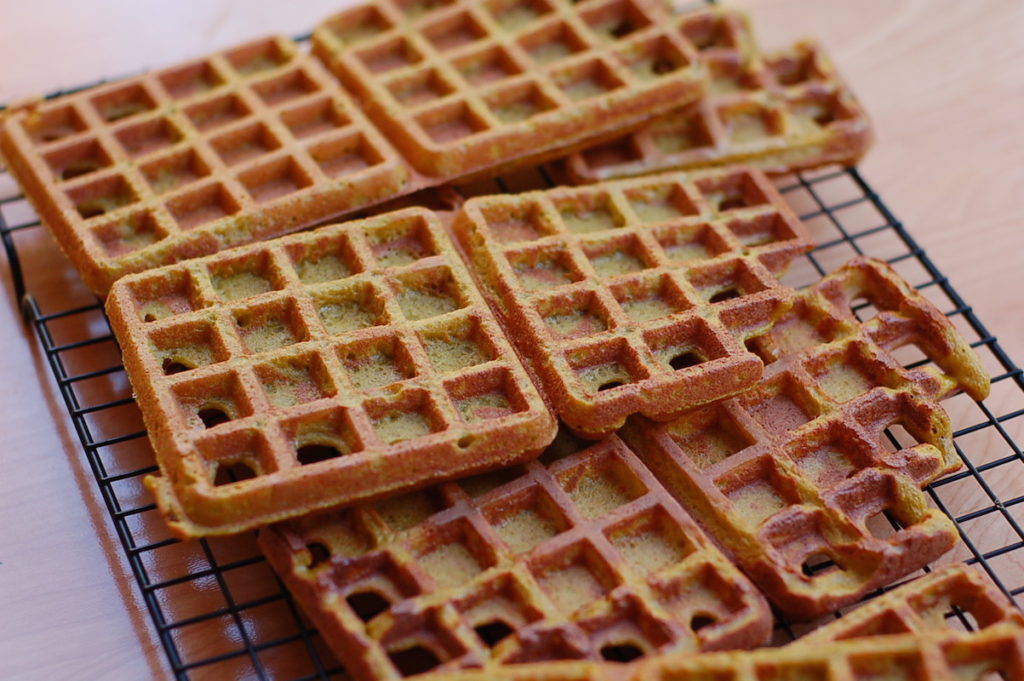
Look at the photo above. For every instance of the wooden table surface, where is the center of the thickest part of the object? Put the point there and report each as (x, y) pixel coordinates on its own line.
(943, 80)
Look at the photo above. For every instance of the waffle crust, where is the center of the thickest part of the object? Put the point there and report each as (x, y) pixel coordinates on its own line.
(780, 112)
(327, 367)
(580, 554)
(788, 475)
(635, 296)
(262, 140)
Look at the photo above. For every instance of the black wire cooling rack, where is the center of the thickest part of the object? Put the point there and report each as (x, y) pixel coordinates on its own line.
(220, 612)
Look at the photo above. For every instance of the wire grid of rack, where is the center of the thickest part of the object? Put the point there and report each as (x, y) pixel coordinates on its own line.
(220, 612)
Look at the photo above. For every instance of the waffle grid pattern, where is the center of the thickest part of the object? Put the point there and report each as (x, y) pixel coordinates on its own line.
(638, 293)
(580, 555)
(308, 364)
(787, 475)
(777, 111)
(192, 159)
(455, 81)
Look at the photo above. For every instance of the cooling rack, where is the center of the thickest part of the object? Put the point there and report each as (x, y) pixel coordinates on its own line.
(220, 612)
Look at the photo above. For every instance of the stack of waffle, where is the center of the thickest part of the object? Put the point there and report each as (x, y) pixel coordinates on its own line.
(585, 430)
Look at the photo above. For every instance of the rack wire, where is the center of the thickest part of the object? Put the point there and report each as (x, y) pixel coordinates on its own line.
(220, 612)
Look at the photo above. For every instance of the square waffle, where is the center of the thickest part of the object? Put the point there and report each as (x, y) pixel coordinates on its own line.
(328, 367)
(635, 296)
(579, 555)
(994, 653)
(782, 111)
(262, 140)
(239, 146)
(788, 475)
(457, 84)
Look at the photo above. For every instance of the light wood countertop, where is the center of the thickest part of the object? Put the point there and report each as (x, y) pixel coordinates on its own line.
(943, 80)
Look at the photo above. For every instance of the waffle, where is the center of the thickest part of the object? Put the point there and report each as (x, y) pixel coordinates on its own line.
(458, 84)
(328, 367)
(580, 554)
(635, 296)
(781, 112)
(239, 146)
(995, 653)
(262, 140)
(932, 605)
(789, 475)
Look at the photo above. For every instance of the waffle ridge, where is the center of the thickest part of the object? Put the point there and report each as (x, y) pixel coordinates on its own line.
(787, 475)
(579, 554)
(635, 296)
(262, 139)
(457, 80)
(781, 111)
(309, 365)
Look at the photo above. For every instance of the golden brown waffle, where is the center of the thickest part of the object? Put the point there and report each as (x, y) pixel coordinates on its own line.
(261, 140)
(941, 601)
(460, 84)
(239, 146)
(783, 111)
(635, 296)
(328, 367)
(994, 654)
(789, 475)
(581, 554)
